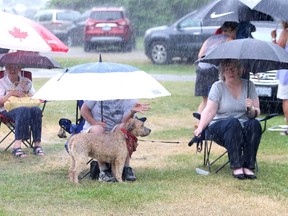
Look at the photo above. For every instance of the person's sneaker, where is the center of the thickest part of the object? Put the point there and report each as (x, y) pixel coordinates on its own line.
(128, 174)
(106, 176)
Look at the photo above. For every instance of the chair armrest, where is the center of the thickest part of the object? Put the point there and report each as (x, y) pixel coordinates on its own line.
(267, 117)
(264, 119)
(197, 115)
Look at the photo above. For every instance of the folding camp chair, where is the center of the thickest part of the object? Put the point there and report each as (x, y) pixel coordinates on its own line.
(66, 125)
(10, 123)
(208, 141)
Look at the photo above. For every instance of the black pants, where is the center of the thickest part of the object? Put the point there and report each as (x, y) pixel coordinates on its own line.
(241, 142)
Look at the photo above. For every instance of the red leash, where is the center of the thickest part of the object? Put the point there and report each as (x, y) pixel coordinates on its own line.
(131, 141)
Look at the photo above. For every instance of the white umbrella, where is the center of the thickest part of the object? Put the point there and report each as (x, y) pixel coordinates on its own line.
(101, 81)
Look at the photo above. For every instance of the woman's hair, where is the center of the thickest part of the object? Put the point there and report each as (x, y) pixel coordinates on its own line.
(229, 26)
(228, 62)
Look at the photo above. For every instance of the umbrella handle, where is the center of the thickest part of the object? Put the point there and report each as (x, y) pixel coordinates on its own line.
(102, 119)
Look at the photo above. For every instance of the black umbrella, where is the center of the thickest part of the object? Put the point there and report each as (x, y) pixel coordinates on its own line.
(275, 8)
(254, 55)
(28, 59)
(220, 11)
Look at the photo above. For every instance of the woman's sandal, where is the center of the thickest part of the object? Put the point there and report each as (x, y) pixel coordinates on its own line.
(38, 151)
(19, 153)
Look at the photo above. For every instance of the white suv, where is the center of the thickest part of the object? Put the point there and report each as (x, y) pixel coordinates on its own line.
(57, 21)
(266, 86)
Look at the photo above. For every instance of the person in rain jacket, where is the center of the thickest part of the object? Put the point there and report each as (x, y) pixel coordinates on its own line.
(115, 114)
(230, 117)
(282, 75)
(25, 118)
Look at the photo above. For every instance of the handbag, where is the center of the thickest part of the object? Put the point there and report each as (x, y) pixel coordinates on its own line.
(15, 102)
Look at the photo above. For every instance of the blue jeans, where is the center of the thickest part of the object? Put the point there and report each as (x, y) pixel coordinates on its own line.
(241, 142)
(26, 118)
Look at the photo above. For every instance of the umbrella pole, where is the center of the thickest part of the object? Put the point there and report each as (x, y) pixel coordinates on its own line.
(248, 84)
(102, 120)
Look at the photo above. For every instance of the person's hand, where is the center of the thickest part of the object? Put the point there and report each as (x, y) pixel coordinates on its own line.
(197, 132)
(140, 107)
(17, 93)
(273, 33)
(102, 124)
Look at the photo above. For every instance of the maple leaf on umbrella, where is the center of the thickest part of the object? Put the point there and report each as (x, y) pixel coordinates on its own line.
(17, 33)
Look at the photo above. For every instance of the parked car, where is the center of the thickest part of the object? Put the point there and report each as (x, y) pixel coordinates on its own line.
(108, 26)
(184, 38)
(75, 35)
(2, 50)
(57, 21)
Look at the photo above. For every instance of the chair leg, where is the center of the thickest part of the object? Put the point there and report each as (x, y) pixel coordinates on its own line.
(207, 151)
(81, 177)
(28, 143)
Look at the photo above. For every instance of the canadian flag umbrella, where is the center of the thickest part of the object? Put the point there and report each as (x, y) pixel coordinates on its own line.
(20, 33)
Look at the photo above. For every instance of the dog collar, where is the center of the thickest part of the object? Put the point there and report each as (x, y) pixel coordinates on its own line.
(131, 140)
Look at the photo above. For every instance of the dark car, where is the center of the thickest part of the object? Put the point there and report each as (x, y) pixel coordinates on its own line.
(58, 21)
(108, 26)
(2, 50)
(182, 39)
(75, 35)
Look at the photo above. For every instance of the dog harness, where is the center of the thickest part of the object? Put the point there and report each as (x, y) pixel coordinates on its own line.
(131, 141)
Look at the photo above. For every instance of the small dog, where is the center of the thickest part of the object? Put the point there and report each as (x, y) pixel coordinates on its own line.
(110, 147)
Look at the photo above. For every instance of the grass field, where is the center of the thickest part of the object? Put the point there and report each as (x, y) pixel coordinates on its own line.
(167, 182)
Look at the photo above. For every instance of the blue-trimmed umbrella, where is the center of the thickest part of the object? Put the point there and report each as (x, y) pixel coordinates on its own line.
(101, 81)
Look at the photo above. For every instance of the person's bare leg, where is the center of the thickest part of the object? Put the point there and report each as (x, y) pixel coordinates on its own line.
(285, 111)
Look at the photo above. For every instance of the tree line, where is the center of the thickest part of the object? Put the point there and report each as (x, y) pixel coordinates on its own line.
(143, 14)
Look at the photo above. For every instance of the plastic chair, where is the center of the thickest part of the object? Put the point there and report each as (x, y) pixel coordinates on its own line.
(10, 123)
(208, 142)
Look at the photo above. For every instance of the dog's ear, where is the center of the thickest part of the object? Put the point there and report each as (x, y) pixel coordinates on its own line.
(143, 119)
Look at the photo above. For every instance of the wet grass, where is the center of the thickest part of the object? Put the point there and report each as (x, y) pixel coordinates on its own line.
(167, 182)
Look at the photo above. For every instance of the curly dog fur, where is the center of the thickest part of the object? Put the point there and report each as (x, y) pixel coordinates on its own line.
(110, 147)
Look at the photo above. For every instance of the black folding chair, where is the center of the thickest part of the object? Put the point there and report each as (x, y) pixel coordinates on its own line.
(208, 141)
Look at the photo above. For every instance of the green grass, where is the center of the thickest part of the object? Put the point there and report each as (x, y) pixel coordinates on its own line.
(168, 186)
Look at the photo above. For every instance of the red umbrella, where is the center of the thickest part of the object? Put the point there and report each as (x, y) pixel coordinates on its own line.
(28, 60)
(20, 33)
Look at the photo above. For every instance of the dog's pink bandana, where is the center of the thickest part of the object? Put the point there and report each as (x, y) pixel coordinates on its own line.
(131, 141)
